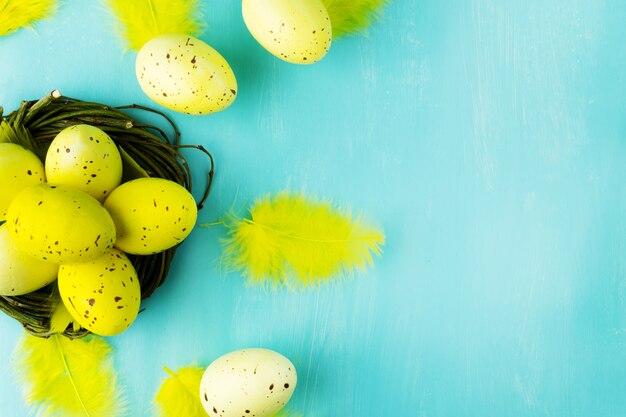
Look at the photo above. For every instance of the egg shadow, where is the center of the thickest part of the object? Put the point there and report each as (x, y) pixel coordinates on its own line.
(253, 67)
(251, 63)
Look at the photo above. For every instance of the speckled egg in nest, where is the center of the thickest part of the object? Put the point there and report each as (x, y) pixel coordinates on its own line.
(146, 151)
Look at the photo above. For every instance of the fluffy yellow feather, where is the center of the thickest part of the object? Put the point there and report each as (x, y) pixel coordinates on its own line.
(60, 319)
(291, 239)
(350, 17)
(69, 378)
(15, 14)
(179, 394)
(142, 20)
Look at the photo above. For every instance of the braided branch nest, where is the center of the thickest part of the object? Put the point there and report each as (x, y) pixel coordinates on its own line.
(36, 123)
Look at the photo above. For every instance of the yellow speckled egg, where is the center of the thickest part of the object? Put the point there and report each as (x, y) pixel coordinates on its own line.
(185, 74)
(247, 382)
(59, 224)
(296, 31)
(20, 273)
(19, 168)
(151, 215)
(86, 158)
(103, 295)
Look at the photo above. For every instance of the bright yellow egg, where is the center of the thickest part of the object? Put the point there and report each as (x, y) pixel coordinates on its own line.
(296, 31)
(84, 157)
(59, 224)
(19, 168)
(103, 295)
(185, 74)
(151, 215)
(20, 273)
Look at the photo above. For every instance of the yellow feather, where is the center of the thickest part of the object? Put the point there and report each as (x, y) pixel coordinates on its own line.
(179, 394)
(142, 20)
(350, 17)
(292, 239)
(15, 14)
(60, 319)
(69, 378)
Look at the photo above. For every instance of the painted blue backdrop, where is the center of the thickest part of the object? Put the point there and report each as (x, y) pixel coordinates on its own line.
(487, 136)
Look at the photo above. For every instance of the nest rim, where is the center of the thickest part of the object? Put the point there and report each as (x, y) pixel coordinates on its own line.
(149, 146)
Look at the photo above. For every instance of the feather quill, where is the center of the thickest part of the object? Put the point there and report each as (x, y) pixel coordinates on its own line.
(350, 17)
(291, 239)
(179, 395)
(69, 378)
(16, 14)
(141, 20)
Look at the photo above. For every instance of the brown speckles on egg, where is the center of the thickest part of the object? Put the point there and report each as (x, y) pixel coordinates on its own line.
(152, 228)
(263, 365)
(191, 63)
(290, 41)
(106, 318)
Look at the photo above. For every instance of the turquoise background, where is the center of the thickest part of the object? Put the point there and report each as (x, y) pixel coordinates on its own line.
(486, 136)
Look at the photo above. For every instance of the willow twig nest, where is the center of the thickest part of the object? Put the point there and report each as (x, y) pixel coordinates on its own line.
(146, 150)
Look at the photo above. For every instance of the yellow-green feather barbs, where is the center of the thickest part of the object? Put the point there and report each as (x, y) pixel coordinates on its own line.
(289, 239)
(350, 17)
(15, 14)
(69, 378)
(179, 394)
(142, 20)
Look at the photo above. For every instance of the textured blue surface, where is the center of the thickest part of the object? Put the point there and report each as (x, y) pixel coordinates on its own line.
(486, 136)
